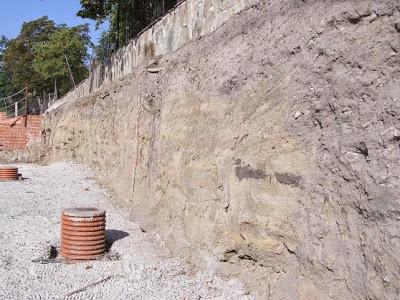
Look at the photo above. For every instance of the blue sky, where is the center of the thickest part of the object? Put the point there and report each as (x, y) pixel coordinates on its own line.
(14, 12)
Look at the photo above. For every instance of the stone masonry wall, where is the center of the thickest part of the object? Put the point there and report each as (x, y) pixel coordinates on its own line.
(190, 20)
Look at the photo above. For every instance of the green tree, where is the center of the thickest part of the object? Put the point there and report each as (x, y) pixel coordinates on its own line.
(36, 57)
(50, 56)
(19, 54)
(3, 46)
(94, 9)
(6, 87)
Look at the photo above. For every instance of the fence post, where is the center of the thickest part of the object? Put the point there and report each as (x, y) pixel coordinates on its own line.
(40, 104)
(26, 107)
(70, 72)
(16, 109)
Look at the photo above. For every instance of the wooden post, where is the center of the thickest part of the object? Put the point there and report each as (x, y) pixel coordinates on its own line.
(26, 106)
(70, 72)
(55, 89)
(40, 103)
(16, 109)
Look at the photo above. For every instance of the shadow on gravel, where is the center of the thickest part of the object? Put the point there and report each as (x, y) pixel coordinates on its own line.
(113, 235)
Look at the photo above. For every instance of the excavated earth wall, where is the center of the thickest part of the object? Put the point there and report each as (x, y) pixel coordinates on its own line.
(268, 149)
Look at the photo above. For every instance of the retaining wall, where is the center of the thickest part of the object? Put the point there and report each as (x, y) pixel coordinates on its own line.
(188, 21)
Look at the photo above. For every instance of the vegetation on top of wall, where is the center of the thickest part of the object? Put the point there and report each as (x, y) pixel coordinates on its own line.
(127, 18)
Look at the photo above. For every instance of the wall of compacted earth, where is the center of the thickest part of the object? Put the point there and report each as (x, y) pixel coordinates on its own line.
(268, 149)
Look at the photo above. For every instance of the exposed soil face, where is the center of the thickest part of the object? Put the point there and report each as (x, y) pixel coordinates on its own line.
(138, 265)
(268, 149)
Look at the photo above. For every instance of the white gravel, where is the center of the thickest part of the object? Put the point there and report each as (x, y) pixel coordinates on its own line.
(29, 226)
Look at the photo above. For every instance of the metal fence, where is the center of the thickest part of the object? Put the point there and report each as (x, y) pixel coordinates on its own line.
(20, 104)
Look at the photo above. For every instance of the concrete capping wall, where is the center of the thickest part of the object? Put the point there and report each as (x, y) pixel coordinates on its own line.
(190, 20)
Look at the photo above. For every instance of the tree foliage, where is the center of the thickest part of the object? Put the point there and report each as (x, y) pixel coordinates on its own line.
(35, 58)
(3, 46)
(6, 87)
(19, 55)
(50, 56)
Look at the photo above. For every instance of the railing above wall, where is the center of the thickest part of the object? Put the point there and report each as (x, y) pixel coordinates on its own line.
(188, 21)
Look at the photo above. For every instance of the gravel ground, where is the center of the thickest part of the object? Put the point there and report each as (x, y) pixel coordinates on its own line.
(29, 227)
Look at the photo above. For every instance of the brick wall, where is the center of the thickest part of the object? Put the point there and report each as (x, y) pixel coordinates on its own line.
(15, 136)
